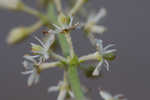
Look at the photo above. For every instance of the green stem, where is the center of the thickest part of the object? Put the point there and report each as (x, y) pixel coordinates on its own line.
(72, 69)
(75, 82)
(76, 7)
(35, 13)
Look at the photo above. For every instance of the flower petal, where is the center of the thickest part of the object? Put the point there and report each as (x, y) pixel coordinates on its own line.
(98, 29)
(109, 51)
(99, 44)
(53, 89)
(27, 72)
(37, 78)
(105, 95)
(57, 27)
(62, 95)
(107, 65)
(39, 41)
(49, 41)
(97, 69)
(119, 97)
(27, 65)
(31, 58)
(99, 15)
(31, 79)
(71, 94)
(108, 46)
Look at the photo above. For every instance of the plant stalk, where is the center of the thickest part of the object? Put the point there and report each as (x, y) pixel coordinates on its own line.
(72, 69)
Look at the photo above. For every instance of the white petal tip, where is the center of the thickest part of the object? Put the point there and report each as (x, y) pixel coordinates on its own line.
(95, 73)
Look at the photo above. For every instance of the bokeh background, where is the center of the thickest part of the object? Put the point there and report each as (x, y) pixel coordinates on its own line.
(128, 22)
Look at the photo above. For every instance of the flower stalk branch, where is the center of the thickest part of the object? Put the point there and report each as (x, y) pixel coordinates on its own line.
(69, 40)
(58, 5)
(57, 57)
(93, 56)
(34, 12)
(45, 66)
(76, 7)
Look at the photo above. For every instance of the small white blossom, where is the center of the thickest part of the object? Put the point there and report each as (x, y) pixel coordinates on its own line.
(107, 96)
(102, 52)
(43, 48)
(9, 4)
(93, 19)
(64, 27)
(31, 66)
(64, 90)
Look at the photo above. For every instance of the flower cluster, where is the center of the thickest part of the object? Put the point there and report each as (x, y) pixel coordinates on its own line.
(32, 67)
(91, 26)
(41, 53)
(43, 49)
(104, 54)
(60, 29)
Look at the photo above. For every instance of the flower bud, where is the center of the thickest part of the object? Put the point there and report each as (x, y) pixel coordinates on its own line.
(11, 4)
(63, 20)
(17, 34)
(20, 33)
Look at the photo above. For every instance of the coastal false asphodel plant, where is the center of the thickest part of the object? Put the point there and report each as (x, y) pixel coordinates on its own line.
(61, 24)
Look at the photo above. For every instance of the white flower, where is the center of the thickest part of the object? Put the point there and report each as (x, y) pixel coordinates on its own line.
(31, 66)
(103, 52)
(64, 90)
(93, 19)
(64, 28)
(107, 96)
(43, 48)
(9, 4)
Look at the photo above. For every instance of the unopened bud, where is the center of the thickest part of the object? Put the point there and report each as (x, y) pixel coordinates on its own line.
(63, 19)
(20, 33)
(17, 34)
(11, 4)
